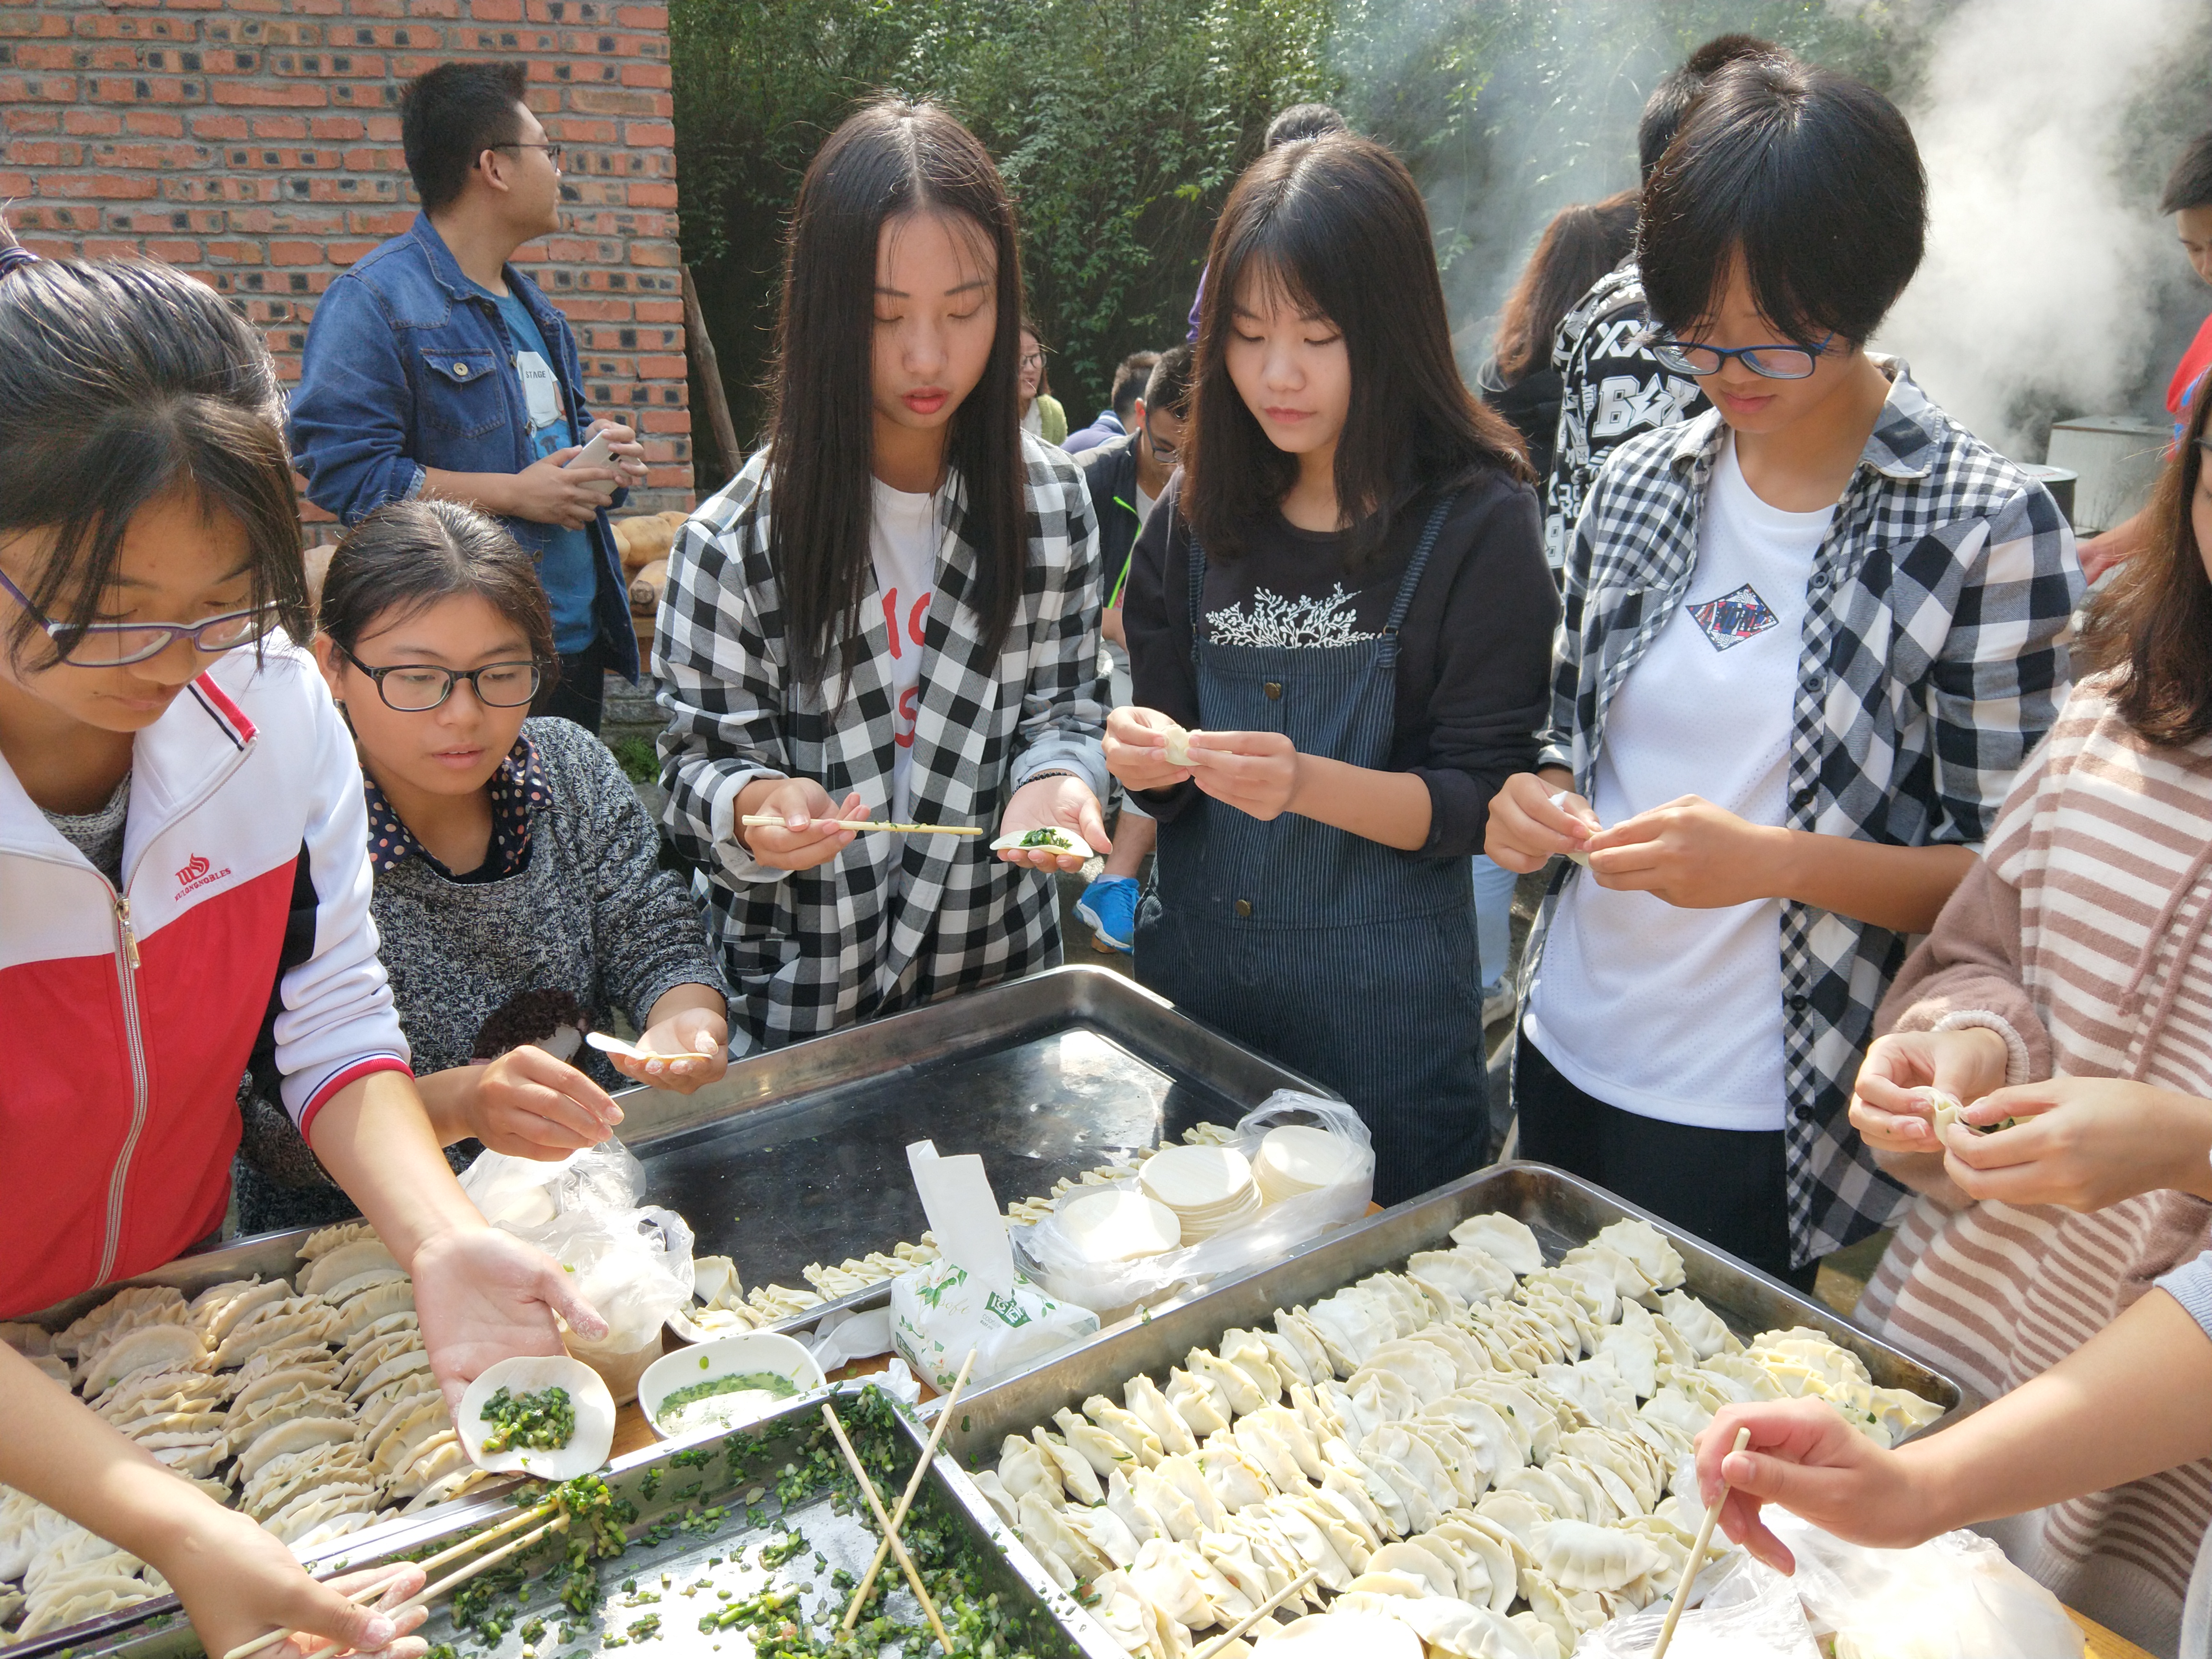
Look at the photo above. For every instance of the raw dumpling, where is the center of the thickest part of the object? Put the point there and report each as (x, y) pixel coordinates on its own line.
(1647, 1246)
(1104, 1452)
(1577, 1556)
(1125, 1426)
(1504, 1237)
(1142, 1395)
(1336, 1635)
(1074, 1469)
(1202, 1407)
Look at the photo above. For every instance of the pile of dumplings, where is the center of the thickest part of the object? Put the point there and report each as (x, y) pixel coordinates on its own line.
(309, 1406)
(1481, 1446)
(724, 1306)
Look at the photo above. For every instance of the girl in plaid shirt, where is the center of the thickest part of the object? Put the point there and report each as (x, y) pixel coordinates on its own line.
(1809, 636)
(891, 612)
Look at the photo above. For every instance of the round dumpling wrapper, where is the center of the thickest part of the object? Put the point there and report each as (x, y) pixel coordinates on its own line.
(594, 1407)
(1337, 1635)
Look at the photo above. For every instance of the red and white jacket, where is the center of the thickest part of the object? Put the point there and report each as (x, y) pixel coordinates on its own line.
(127, 1019)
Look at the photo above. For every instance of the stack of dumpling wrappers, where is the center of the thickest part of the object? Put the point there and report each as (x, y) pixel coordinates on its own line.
(1209, 1189)
(309, 1405)
(1480, 1450)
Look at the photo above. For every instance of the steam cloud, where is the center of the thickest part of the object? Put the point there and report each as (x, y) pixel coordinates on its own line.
(2036, 292)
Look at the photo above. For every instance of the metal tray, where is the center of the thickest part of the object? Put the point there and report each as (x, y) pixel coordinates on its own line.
(1563, 1210)
(1061, 1629)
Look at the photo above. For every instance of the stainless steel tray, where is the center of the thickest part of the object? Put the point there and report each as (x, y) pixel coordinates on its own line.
(799, 1155)
(669, 1482)
(1564, 1212)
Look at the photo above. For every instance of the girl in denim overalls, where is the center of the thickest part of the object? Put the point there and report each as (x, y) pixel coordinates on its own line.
(1344, 596)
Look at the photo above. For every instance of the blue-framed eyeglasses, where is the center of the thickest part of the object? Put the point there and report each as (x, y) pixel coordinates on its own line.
(1775, 363)
(117, 645)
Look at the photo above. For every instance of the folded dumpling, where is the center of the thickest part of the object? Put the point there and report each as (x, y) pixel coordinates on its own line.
(1077, 1472)
(1125, 1426)
(1143, 1397)
(1504, 1237)
(1202, 1406)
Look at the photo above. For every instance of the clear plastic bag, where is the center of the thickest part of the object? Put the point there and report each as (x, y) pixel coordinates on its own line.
(634, 1267)
(524, 1192)
(1956, 1594)
(1043, 1253)
(1751, 1612)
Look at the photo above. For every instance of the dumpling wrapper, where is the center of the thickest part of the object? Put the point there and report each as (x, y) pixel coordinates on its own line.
(1064, 841)
(594, 1407)
(1335, 1635)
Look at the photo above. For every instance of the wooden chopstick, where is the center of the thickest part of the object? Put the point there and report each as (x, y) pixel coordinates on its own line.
(890, 1532)
(370, 1592)
(906, 1498)
(770, 821)
(430, 1593)
(1256, 1614)
(1697, 1554)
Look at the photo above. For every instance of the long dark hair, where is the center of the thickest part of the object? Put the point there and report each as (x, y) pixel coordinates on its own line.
(1578, 247)
(2153, 619)
(407, 556)
(1336, 226)
(890, 159)
(118, 383)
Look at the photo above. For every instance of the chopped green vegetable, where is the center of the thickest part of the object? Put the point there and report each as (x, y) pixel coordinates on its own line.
(544, 1421)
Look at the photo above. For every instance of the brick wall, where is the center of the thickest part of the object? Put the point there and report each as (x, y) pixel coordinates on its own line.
(256, 144)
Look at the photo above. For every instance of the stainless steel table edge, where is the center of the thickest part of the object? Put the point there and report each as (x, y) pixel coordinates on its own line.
(405, 1535)
(1749, 1299)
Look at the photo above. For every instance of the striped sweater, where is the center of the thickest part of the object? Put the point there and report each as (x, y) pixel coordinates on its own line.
(2081, 939)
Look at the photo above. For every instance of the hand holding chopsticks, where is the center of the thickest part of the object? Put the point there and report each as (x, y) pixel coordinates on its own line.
(369, 1592)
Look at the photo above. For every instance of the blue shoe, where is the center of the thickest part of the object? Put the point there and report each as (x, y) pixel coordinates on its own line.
(1109, 909)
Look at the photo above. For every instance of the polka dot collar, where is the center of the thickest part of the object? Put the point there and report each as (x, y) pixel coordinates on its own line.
(517, 791)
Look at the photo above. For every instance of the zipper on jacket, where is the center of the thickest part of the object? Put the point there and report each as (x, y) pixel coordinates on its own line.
(126, 976)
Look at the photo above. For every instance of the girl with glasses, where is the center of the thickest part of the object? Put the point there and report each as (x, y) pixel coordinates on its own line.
(2055, 1259)
(518, 892)
(1042, 413)
(1344, 589)
(891, 612)
(1810, 634)
(185, 881)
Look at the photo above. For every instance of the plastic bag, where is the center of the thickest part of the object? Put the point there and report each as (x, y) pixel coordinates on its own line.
(634, 1267)
(524, 1192)
(971, 1298)
(1751, 1612)
(1043, 1253)
(1956, 1594)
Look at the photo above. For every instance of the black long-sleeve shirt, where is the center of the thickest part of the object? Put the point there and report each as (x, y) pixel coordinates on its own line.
(1474, 651)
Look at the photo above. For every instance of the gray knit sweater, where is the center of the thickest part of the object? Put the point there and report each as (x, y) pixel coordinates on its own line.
(590, 915)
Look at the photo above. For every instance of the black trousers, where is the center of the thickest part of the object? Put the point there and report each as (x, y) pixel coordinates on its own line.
(1726, 1186)
(580, 693)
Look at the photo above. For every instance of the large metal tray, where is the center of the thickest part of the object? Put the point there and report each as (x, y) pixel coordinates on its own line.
(665, 1489)
(1563, 1210)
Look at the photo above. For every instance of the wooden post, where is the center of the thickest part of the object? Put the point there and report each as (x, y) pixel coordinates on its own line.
(710, 380)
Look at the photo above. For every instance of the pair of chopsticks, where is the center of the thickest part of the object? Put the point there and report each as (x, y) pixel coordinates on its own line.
(1697, 1556)
(430, 1592)
(893, 1543)
(770, 821)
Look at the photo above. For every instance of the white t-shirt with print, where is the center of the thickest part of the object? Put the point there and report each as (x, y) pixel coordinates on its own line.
(903, 535)
(1671, 1013)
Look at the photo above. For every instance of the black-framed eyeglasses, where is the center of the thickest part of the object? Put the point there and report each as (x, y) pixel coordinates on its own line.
(1165, 454)
(1774, 363)
(552, 151)
(118, 645)
(417, 688)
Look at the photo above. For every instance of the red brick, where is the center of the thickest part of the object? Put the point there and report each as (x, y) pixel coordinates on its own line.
(270, 95)
(37, 89)
(173, 250)
(96, 25)
(46, 156)
(98, 187)
(279, 128)
(153, 124)
(19, 119)
(219, 128)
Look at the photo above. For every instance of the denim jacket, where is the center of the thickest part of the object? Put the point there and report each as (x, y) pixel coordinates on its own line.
(407, 366)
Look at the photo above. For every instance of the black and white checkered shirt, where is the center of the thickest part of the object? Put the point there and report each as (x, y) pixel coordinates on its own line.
(894, 921)
(1933, 660)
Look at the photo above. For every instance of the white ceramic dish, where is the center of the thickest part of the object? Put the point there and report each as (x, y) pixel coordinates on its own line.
(727, 1356)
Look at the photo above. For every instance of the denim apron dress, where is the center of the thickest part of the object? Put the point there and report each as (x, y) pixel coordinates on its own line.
(1339, 957)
